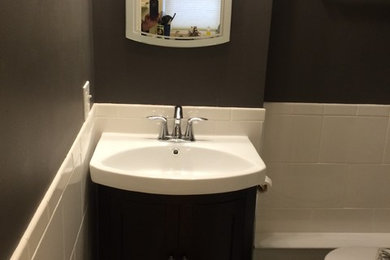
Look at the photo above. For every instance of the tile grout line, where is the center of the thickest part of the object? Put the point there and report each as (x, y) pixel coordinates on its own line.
(387, 140)
(321, 142)
(78, 235)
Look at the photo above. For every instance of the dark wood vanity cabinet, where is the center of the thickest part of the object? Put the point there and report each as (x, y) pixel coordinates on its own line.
(141, 226)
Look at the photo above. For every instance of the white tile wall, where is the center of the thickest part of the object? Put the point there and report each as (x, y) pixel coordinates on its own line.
(386, 156)
(339, 109)
(330, 166)
(211, 113)
(51, 244)
(367, 140)
(277, 145)
(38, 224)
(307, 240)
(381, 220)
(71, 212)
(342, 220)
(368, 186)
(290, 254)
(59, 229)
(54, 228)
(373, 110)
(283, 220)
(305, 186)
(335, 138)
(305, 138)
(22, 252)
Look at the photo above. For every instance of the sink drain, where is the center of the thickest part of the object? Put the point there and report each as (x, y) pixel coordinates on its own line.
(175, 151)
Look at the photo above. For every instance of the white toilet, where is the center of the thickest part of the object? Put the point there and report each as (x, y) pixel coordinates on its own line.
(356, 253)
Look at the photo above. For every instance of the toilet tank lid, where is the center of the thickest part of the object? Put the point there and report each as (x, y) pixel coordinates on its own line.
(353, 253)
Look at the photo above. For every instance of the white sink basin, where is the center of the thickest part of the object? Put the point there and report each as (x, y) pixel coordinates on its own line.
(211, 164)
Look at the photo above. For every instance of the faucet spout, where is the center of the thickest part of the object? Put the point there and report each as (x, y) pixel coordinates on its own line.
(178, 112)
(176, 132)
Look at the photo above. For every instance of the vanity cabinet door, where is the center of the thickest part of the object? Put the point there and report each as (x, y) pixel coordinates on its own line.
(139, 226)
(135, 229)
(210, 231)
(149, 231)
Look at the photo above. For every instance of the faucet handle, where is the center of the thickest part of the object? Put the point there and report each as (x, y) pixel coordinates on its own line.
(194, 119)
(163, 135)
(189, 133)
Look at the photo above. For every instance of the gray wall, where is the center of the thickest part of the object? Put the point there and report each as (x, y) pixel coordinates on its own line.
(44, 61)
(232, 74)
(329, 51)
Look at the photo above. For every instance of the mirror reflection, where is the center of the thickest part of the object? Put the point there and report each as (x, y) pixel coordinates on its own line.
(180, 19)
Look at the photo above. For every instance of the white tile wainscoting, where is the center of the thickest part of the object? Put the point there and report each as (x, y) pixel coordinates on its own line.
(330, 165)
(60, 226)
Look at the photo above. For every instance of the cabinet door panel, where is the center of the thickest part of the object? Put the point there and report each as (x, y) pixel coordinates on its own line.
(148, 232)
(136, 230)
(212, 231)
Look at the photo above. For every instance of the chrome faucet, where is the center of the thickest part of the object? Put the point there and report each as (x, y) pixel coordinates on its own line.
(176, 131)
(178, 116)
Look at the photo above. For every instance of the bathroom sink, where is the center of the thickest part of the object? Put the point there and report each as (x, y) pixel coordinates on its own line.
(212, 164)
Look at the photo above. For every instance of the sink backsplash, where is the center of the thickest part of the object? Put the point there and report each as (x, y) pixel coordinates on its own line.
(221, 120)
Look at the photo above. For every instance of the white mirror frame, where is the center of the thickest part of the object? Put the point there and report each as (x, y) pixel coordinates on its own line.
(133, 21)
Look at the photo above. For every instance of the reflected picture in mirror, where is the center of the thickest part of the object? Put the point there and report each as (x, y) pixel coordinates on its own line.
(176, 23)
(181, 19)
